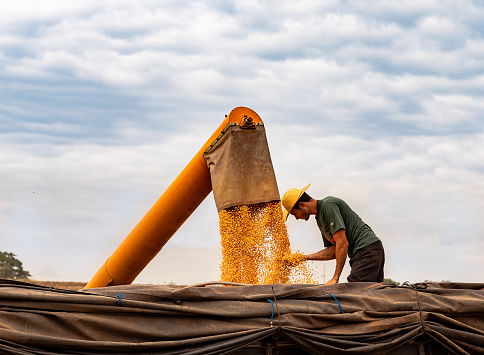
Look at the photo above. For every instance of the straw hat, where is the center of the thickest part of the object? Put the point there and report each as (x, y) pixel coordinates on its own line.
(289, 200)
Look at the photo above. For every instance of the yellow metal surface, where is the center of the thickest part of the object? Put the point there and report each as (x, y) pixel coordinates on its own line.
(166, 216)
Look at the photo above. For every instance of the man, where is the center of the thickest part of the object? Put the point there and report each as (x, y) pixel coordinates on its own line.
(344, 233)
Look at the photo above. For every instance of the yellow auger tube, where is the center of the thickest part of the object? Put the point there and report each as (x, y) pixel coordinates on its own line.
(171, 210)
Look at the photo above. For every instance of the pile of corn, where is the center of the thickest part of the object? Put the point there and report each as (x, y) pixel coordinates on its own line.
(256, 249)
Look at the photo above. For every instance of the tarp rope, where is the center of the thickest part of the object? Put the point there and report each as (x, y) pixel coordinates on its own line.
(339, 305)
(440, 338)
(277, 307)
(272, 316)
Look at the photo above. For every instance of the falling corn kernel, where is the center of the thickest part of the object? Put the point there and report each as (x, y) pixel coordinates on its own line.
(256, 248)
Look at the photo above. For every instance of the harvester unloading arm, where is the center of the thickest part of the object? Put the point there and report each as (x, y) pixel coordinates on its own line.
(191, 187)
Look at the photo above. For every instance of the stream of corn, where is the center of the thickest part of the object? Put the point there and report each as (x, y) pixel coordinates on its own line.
(256, 248)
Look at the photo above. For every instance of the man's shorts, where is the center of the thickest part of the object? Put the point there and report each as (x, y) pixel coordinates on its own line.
(367, 264)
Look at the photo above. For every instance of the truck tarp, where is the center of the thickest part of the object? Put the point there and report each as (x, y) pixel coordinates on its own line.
(210, 319)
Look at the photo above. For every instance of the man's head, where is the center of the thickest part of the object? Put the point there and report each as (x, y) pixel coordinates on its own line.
(290, 201)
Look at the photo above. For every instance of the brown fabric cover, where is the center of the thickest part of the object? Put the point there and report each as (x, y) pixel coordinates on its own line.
(241, 168)
(216, 320)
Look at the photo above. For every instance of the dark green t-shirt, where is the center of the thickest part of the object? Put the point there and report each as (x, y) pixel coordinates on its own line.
(334, 214)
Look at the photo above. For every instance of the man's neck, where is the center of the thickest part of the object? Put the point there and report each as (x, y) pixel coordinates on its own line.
(312, 206)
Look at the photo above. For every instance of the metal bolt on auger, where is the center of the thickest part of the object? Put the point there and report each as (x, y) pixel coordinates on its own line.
(248, 122)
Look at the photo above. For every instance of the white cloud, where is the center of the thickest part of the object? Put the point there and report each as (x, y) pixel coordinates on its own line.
(103, 104)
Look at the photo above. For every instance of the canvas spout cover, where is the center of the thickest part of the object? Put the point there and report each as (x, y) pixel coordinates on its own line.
(241, 168)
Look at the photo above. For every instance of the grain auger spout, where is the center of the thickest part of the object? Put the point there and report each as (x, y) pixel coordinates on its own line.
(235, 162)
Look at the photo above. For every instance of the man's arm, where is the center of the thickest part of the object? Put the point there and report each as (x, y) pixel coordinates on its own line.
(337, 251)
(325, 254)
(341, 246)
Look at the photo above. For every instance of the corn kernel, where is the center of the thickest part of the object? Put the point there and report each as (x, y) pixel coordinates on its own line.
(256, 248)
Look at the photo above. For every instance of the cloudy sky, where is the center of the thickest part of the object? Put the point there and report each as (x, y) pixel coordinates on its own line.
(103, 103)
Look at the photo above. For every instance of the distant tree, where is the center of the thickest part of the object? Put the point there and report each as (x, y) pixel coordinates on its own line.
(11, 268)
(391, 282)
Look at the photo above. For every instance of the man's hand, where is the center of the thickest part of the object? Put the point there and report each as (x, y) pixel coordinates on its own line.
(332, 281)
(293, 259)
